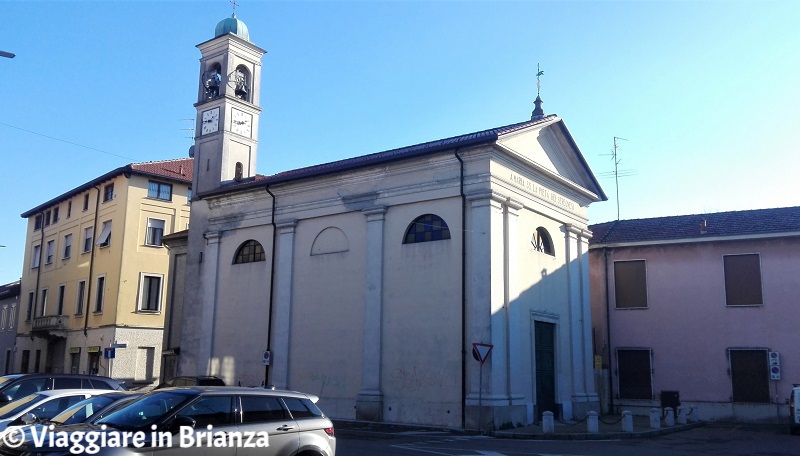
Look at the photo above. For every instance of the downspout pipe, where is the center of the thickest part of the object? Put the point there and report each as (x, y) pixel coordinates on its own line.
(271, 285)
(463, 292)
(88, 296)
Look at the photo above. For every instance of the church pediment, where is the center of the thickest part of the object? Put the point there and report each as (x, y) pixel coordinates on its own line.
(550, 150)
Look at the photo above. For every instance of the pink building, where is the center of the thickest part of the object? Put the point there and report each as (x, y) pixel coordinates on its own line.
(698, 309)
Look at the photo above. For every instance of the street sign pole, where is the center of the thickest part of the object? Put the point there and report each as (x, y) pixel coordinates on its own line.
(480, 402)
(481, 353)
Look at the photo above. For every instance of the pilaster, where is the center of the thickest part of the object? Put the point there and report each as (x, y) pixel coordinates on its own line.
(210, 268)
(369, 405)
(282, 312)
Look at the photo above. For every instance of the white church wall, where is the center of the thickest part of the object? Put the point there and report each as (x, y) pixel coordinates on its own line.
(243, 292)
(328, 302)
(421, 365)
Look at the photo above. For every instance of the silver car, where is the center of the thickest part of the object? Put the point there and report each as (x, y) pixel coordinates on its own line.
(293, 423)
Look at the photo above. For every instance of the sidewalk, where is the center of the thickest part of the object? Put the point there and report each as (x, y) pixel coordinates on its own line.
(609, 427)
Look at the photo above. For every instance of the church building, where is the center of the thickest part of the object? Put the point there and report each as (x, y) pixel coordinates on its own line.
(367, 281)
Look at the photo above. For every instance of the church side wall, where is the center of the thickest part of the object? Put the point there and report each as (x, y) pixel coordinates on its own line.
(328, 310)
(239, 335)
(421, 368)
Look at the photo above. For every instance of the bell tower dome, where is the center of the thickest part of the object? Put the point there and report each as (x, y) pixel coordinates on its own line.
(226, 130)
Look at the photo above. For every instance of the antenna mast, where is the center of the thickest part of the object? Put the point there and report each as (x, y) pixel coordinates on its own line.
(616, 169)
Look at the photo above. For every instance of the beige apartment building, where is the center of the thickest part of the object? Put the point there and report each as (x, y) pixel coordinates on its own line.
(95, 270)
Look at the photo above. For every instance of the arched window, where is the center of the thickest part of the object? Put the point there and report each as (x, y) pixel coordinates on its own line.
(237, 175)
(249, 252)
(542, 242)
(242, 79)
(428, 227)
(212, 80)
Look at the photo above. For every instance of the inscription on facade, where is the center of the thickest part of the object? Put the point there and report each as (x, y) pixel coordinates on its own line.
(542, 192)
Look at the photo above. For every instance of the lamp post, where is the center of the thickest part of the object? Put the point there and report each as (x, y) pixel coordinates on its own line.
(7, 54)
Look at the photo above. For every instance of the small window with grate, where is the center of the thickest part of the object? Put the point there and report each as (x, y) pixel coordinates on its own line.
(428, 227)
(249, 252)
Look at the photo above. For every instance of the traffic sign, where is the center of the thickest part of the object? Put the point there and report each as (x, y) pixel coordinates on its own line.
(109, 353)
(481, 352)
(267, 356)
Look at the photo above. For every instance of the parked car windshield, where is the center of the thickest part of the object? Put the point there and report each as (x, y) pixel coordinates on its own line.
(82, 410)
(139, 415)
(13, 408)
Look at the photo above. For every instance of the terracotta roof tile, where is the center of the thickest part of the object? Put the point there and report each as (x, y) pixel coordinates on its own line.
(181, 168)
(698, 226)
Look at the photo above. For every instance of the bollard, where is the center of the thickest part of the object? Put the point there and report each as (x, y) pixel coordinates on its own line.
(627, 421)
(681, 415)
(548, 426)
(694, 414)
(669, 420)
(592, 425)
(655, 418)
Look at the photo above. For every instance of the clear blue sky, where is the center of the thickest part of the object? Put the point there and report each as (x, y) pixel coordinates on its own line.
(705, 92)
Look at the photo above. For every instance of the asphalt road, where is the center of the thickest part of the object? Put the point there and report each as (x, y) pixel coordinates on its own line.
(707, 440)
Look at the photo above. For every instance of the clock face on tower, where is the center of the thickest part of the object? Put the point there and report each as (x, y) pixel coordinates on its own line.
(210, 121)
(241, 122)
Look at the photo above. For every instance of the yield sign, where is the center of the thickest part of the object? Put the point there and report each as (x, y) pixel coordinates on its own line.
(481, 352)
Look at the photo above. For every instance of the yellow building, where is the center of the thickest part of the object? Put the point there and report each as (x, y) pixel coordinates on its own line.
(95, 272)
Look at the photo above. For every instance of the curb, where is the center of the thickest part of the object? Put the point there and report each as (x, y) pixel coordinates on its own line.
(598, 435)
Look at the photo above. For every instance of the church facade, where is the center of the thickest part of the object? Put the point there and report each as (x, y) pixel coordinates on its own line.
(368, 280)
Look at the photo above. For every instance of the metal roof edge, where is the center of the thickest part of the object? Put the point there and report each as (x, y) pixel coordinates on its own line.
(738, 237)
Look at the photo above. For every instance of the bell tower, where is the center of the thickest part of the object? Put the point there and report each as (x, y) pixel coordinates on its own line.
(226, 129)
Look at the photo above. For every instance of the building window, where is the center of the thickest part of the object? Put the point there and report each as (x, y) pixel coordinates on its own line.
(47, 218)
(188, 196)
(67, 245)
(51, 251)
(37, 254)
(69, 208)
(100, 294)
(11, 317)
(630, 284)
(87, 239)
(62, 289)
(26, 360)
(249, 252)
(155, 229)
(104, 240)
(108, 192)
(86, 202)
(542, 242)
(634, 373)
(30, 306)
(428, 227)
(150, 293)
(159, 190)
(743, 280)
(749, 375)
(81, 295)
(55, 214)
(3, 318)
(37, 223)
(43, 307)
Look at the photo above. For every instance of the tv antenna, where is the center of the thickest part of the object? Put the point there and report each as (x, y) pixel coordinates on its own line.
(617, 173)
(191, 128)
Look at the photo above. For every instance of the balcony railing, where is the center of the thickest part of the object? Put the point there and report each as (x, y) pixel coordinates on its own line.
(51, 323)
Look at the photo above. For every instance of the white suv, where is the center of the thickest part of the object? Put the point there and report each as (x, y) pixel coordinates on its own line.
(291, 420)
